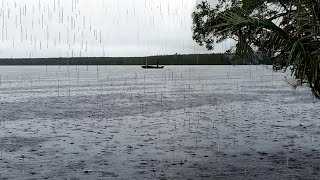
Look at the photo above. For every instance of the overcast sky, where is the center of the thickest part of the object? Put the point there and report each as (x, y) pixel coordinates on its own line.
(66, 28)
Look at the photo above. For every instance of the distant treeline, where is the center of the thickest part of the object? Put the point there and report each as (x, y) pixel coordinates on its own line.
(191, 59)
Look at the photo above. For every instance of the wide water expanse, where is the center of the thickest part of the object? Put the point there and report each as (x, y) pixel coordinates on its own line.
(181, 122)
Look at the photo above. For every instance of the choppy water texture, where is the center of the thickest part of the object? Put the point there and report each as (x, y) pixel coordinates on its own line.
(182, 122)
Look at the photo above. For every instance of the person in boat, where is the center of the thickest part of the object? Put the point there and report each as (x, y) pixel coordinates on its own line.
(158, 62)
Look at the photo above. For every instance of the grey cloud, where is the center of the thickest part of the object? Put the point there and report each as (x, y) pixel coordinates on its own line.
(54, 28)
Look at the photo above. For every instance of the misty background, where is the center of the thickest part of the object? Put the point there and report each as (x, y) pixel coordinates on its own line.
(95, 28)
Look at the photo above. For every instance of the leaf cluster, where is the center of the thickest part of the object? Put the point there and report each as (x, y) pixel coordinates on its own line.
(286, 31)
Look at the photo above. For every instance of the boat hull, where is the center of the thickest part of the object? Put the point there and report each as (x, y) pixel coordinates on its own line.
(152, 67)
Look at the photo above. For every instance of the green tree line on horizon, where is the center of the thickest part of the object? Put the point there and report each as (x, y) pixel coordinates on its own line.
(190, 59)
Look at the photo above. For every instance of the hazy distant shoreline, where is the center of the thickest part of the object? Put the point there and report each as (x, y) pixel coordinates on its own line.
(191, 59)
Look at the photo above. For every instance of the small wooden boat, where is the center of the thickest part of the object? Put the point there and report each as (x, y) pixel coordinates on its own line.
(152, 67)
